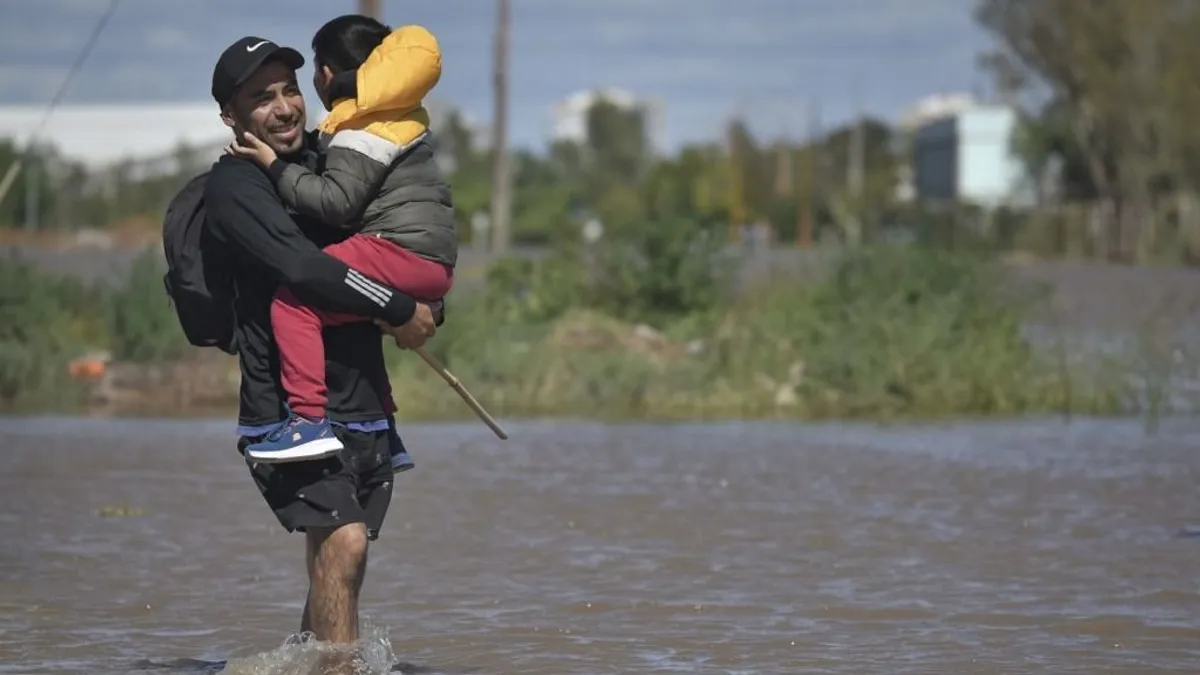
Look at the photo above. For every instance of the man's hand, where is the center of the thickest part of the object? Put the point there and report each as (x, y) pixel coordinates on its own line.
(413, 334)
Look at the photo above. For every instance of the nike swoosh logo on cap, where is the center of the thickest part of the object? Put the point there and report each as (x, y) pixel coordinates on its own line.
(251, 48)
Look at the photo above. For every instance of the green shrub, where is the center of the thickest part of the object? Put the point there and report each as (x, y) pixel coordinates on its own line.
(142, 325)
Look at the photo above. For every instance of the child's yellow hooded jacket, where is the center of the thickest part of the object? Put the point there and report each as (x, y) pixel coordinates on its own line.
(379, 174)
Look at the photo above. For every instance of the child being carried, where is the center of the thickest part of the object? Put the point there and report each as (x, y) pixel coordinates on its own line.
(380, 180)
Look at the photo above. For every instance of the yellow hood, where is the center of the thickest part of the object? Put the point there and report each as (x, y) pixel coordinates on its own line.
(392, 82)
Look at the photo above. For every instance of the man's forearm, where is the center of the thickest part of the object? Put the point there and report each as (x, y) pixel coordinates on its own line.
(326, 282)
(244, 208)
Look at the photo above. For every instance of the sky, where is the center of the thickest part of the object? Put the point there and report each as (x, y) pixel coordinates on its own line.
(703, 59)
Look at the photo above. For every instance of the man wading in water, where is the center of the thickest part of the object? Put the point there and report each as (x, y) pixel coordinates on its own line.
(338, 502)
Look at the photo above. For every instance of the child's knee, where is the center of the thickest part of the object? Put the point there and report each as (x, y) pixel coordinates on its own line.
(284, 297)
(283, 305)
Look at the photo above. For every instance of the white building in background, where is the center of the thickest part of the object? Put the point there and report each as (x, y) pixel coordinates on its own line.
(146, 134)
(935, 107)
(959, 149)
(926, 110)
(100, 135)
(967, 156)
(568, 117)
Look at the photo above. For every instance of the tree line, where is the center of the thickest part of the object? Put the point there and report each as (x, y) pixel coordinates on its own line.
(1108, 88)
(1104, 89)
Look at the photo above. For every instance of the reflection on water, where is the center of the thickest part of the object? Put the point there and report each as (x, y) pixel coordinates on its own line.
(1022, 546)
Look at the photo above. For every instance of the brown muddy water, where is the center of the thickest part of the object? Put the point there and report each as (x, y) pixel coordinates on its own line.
(1001, 547)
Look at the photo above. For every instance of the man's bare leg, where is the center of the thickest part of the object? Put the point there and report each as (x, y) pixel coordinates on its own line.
(310, 556)
(337, 564)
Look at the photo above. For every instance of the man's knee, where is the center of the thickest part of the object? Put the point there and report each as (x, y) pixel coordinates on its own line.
(350, 541)
(341, 551)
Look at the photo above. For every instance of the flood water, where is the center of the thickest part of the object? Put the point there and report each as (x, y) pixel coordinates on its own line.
(1000, 547)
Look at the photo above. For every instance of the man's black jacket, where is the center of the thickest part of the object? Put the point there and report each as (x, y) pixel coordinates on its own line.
(270, 246)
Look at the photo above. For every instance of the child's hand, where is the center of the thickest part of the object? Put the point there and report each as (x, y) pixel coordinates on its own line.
(254, 149)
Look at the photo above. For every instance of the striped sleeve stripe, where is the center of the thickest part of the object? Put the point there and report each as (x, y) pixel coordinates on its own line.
(376, 293)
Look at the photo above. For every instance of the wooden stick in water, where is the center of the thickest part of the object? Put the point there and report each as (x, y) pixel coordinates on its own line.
(462, 391)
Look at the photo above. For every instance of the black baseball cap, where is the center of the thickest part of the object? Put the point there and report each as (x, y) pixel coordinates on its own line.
(239, 61)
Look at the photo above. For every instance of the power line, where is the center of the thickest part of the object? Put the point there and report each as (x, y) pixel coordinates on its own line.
(80, 59)
(78, 65)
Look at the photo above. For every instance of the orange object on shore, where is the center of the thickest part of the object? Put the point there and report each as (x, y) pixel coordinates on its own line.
(87, 368)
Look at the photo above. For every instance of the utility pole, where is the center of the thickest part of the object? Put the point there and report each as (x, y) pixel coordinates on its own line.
(737, 158)
(856, 164)
(856, 170)
(737, 211)
(806, 219)
(737, 188)
(370, 8)
(32, 189)
(784, 183)
(501, 178)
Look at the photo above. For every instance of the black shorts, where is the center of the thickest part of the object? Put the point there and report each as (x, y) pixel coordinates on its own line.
(353, 486)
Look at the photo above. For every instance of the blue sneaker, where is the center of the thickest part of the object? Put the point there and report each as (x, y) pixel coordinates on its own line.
(296, 440)
(401, 460)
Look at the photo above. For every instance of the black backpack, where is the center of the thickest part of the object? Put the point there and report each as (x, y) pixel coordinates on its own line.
(199, 278)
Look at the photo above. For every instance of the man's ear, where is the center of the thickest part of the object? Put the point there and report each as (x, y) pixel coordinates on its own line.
(227, 117)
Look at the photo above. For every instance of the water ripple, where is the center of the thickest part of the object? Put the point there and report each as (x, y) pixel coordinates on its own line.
(989, 547)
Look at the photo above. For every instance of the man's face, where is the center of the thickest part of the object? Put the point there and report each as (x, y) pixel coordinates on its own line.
(270, 106)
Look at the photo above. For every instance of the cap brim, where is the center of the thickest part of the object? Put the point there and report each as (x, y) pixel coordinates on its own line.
(290, 57)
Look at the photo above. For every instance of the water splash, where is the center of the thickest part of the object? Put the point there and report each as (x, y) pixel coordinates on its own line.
(303, 654)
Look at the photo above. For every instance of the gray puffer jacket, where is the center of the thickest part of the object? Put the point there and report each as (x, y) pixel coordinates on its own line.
(375, 186)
